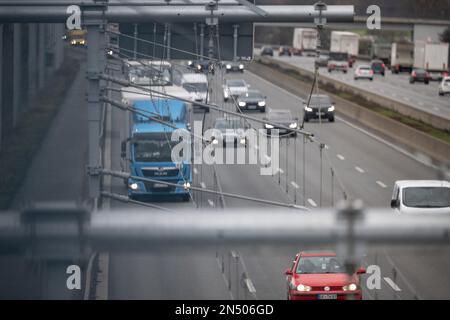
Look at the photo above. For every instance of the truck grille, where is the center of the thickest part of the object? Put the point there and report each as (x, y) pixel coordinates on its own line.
(160, 172)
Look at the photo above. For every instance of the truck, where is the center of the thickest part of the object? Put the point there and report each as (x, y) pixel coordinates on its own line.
(382, 51)
(77, 37)
(147, 152)
(345, 42)
(402, 56)
(305, 40)
(433, 57)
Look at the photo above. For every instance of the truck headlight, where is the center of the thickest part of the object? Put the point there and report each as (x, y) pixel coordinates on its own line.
(262, 104)
(331, 109)
(308, 109)
(242, 141)
(134, 186)
(225, 94)
(199, 67)
(186, 185)
(293, 125)
(228, 66)
(242, 104)
(241, 66)
(303, 288)
(189, 63)
(269, 126)
(350, 287)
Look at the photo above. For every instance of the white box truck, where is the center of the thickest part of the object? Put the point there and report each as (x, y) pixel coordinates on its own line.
(432, 57)
(346, 42)
(402, 56)
(305, 40)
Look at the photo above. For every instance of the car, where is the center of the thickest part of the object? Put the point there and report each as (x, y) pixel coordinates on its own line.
(267, 51)
(320, 107)
(251, 100)
(338, 62)
(233, 88)
(234, 66)
(197, 85)
(201, 66)
(437, 75)
(322, 276)
(322, 60)
(421, 196)
(378, 67)
(419, 75)
(284, 51)
(229, 130)
(281, 120)
(363, 72)
(444, 87)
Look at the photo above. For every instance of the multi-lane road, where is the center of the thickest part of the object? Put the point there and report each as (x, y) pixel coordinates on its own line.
(394, 86)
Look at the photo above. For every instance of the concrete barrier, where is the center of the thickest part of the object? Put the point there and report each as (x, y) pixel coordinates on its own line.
(398, 133)
(367, 95)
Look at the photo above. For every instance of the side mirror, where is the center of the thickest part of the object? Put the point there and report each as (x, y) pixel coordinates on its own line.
(361, 271)
(395, 203)
(123, 149)
(288, 272)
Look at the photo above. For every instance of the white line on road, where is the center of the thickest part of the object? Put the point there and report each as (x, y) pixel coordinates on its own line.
(381, 184)
(392, 284)
(211, 203)
(195, 171)
(359, 170)
(295, 185)
(203, 185)
(280, 171)
(312, 203)
(341, 157)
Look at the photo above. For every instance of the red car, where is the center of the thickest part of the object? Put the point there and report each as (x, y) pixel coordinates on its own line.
(320, 276)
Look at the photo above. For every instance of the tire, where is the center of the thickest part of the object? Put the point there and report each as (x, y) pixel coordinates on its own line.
(263, 110)
(186, 198)
(355, 79)
(441, 94)
(225, 99)
(306, 119)
(427, 82)
(345, 71)
(371, 79)
(331, 119)
(411, 81)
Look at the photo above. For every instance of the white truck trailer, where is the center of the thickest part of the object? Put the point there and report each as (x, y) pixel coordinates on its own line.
(305, 40)
(432, 57)
(345, 42)
(402, 56)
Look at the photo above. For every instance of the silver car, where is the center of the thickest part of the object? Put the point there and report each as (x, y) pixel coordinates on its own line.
(233, 88)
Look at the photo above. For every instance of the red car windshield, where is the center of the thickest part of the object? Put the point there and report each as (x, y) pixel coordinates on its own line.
(319, 265)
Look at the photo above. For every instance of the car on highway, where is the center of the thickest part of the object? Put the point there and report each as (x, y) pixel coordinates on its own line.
(233, 66)
(251, 100)
(320, 107)
(284, 51)
(197, 85)
(419, 75)
(378, 67)
(229, 131)
(281, 120)
(338, 62)
(444, 87)
(322, 60)
(322, 276)
(421, 197)
(233, 88)
(363, 72)
(267, 51)
(201, 66)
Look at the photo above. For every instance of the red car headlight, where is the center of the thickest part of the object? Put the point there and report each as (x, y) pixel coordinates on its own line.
(303, 288)
(350, 287)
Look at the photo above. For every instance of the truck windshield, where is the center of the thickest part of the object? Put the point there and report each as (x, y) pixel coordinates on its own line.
(426, 197)
(196, 87)
(155, 148)
(151, 75)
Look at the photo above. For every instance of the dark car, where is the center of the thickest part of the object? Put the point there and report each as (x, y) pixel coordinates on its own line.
(419, 75)
(320, 107)
(229, 130)
(267, 51)
(378, 67)
(252, 100)
(233, 66)
(284, 51)
(281, 120)
(201, 66)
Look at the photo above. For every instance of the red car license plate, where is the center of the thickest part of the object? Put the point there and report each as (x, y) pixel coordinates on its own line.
(327, 296)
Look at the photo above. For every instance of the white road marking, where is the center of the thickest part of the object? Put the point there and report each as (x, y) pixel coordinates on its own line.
(341, 157)
(203, 185)
(381, 184)
(327, 147)
(312, 203)
(295, 185)
(195, 171)
(211, 203)
(280, 171)
(359, 170)
(392, 284)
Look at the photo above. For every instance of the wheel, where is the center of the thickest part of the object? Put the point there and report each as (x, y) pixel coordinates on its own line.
(371, 79)
(382, 74)
(427, 82)
(225, 99)
(331, 119)
(411, 81)
(441, 93)
(262, 110)
(186, 198)
(329, 70)
(306, 119)
(355, 78)
(345, 71)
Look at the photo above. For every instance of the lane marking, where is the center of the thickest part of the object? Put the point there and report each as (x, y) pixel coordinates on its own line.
(211, 203)
(359, 170)
(392, 284)
(203, 185)
(341, 157)
(295, 185)
(381, 184)
(195, 171)
(280, 171)
(312, 203)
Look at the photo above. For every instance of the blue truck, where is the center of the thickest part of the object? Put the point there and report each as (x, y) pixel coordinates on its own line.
(150, 148)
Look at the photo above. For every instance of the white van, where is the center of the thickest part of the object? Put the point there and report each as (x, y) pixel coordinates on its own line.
(197, 85)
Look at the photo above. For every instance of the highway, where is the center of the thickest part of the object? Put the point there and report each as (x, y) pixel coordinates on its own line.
(367, 169)
(394, 86)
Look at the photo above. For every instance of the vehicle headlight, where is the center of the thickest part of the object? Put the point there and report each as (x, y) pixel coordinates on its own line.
(189, 63)
(225, 93)
(228, 66)
(215, 141)
(82, 41)
(73, 42)
(269, 126)
(241, 66)
(242, 141)
(242, 104)
(303, 288)
(199, 67)
(186, 185)
(134, 186)
(331, 109)
(308, 109)
(350, 287)
(110, 52)
(293, 125)
(261, 103)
